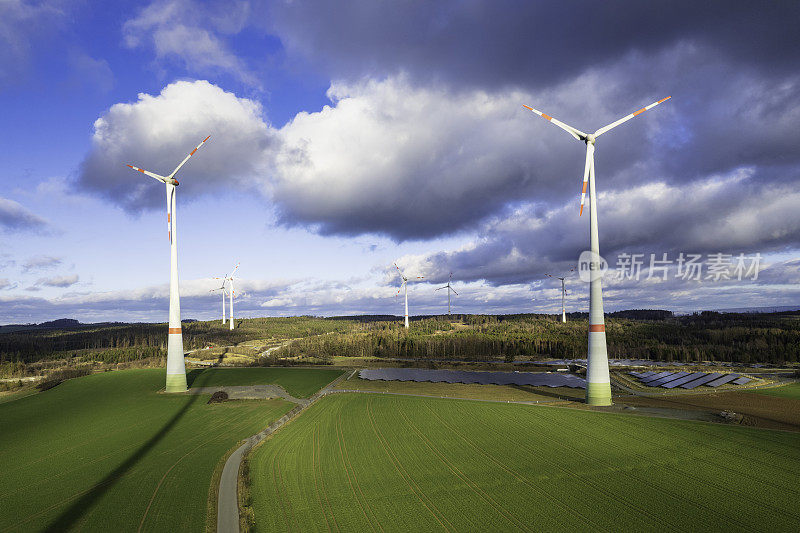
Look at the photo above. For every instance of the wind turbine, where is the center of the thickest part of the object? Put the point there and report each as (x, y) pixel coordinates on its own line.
(404, 287)
(449, 288)
(563, 295)
(598, 384)
(176, 369)
(232, 295)
(222, 288)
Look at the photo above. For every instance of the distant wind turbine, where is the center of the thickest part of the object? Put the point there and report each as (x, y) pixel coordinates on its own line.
(229, 278)
(176, 368)
(449, 288)
(598, 384)
(222, 289)
(563, 295)
(404, 287)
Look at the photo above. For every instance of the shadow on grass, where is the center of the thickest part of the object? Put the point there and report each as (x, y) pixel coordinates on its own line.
(550, 394)
(73, 514)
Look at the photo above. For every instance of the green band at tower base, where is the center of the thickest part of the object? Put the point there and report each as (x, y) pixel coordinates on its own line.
(176, 382)
(598, 393)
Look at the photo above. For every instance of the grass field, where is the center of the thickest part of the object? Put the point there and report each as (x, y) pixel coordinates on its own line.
(359, 462)
(106, 452)
(299, 382)
(786, 391)
(473, 391)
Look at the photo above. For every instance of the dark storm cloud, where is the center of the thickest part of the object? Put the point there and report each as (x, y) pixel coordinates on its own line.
(425, 135)
(729, 66)
(733, 214)
(535, 44)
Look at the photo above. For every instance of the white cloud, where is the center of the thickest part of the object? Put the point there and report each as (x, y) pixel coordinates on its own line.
(156, 132)
(405, 161)
(15, 217)
(40, 262)
(193, 34)
(58, 281)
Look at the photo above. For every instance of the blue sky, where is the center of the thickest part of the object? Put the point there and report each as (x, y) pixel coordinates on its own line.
(346, 137)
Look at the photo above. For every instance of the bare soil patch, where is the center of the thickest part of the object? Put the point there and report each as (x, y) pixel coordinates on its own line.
(756, 410)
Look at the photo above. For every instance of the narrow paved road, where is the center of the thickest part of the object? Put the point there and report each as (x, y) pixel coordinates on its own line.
(228, 502)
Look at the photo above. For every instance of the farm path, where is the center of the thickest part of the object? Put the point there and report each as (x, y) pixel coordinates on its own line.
(228, 500)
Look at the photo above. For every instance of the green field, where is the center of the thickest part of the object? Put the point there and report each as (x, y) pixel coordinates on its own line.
(786, 391)
(359, 462)
(107, 452)
(299, 382)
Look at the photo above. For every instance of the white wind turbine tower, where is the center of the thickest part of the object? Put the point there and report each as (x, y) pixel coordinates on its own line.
(222, 289)
(404, 287)
(232, 294)
(176, 369)
(449, 288)
(563, 295)
(598, 384)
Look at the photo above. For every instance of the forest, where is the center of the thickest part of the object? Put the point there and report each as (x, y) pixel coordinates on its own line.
(642, 334)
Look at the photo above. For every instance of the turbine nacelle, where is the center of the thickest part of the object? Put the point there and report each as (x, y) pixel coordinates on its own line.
(589, 139)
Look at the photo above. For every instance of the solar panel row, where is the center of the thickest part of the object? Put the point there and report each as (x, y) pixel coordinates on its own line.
(536, 379)
(701, 380)
(655, 377)
(685, 379)
(667, 379)
(723, 380)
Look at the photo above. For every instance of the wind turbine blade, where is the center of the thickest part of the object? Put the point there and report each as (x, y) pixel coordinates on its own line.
(626, 118)
(440, 288)
(578, 134)
(234, 270)
(589, 163)
(162, 179)
(452, 289)
(188, 156)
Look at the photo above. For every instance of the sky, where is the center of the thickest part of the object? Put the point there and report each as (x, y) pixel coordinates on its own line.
(348, 136)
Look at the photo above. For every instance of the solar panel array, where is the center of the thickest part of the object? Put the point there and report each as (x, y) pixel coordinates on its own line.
(536, 379)
(688, 380)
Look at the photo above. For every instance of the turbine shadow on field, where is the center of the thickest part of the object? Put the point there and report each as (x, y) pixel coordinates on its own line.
(541, 392)
(71, 515)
